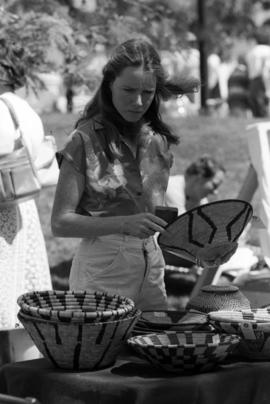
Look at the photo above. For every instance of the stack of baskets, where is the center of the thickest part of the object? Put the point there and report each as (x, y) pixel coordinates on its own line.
(252, 326)
(77, 330)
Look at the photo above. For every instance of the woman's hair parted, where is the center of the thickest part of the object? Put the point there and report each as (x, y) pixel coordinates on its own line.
(135, 53)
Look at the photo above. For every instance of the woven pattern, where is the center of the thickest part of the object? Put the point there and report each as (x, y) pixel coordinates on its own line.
(219, 297)
(170, 320)
(184, 351)
(207, 230)
(79, 346)
(70, 306)
(253, 326)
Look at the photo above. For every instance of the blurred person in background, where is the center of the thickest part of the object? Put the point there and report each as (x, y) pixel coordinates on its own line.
(238, 90)
(258, 66)
(23, 258)
(201, 179)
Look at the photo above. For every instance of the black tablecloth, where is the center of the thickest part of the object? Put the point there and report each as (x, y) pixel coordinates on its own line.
(133, 381)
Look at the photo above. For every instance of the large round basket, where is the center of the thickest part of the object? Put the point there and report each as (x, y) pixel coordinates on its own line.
(79, 346)
(75, 306)
(187, 351)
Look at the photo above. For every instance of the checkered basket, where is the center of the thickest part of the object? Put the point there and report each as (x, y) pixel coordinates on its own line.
(187, 351)
(252, 326)
(79, 345)
(75, 306)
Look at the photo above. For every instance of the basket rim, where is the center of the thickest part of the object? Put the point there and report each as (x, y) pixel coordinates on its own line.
(233, 338)
(234, 316)
(72, 293)
(126, 305)
(137, 313)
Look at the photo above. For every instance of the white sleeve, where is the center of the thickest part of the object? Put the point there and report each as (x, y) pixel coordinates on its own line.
(7, 130)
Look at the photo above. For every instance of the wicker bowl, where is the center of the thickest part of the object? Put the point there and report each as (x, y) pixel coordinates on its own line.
(79, 346)
(187, 351)
(218, 297)
(75, 306)
(253, 326)
(170, 320)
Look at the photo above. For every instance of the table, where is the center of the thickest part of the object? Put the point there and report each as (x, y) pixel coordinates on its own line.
(133, 381)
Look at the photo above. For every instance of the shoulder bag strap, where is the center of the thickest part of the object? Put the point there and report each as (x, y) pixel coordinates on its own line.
(21, 140)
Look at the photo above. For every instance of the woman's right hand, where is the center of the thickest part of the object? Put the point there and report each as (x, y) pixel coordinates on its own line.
(143, 225)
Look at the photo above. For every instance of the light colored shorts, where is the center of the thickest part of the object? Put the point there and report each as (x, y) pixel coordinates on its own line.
(124, 265)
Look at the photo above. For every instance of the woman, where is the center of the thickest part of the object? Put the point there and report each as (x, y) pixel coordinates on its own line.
(114, 172)
(23, 259)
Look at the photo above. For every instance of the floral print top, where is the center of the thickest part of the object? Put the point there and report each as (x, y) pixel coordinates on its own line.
(129, 184)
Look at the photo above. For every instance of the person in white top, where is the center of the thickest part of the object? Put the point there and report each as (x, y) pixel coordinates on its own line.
(258, 61)
(257, 180)
(24, 263)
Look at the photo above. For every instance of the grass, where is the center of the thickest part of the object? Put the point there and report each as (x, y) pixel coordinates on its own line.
(224, 138)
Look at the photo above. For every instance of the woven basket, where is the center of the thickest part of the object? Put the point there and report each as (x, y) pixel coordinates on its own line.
(253, 326)
(79, 346)
(207, 231)
(188, 351)
(170, 320)
(218, 297)
(75, 306)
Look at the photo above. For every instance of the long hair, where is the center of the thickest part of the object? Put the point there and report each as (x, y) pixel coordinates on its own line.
(135, 53)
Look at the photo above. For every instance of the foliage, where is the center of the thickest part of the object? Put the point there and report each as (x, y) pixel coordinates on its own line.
(48, 38)
(73, 33)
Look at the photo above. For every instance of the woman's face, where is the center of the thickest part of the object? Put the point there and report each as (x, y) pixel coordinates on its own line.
(133, 92)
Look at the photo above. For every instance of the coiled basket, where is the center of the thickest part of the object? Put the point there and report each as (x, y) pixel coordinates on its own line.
(79, 345)
(186, 351)
(218, 297)
(75, 306)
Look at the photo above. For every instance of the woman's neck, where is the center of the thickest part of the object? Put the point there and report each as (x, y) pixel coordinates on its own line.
(5, 88)
(126, 129)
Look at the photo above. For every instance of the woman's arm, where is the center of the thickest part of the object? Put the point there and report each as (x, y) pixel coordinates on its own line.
(65, 222)
(249, 186)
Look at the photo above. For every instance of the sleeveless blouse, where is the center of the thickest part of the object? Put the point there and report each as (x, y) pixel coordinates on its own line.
(126, 185)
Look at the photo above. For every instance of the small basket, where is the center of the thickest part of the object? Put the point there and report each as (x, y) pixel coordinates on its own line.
(75, 306)
(219, 297)
(79, 346)
(253, 326)
(188, 351)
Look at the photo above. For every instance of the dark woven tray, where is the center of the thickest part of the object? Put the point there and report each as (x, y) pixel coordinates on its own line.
(209, 230)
